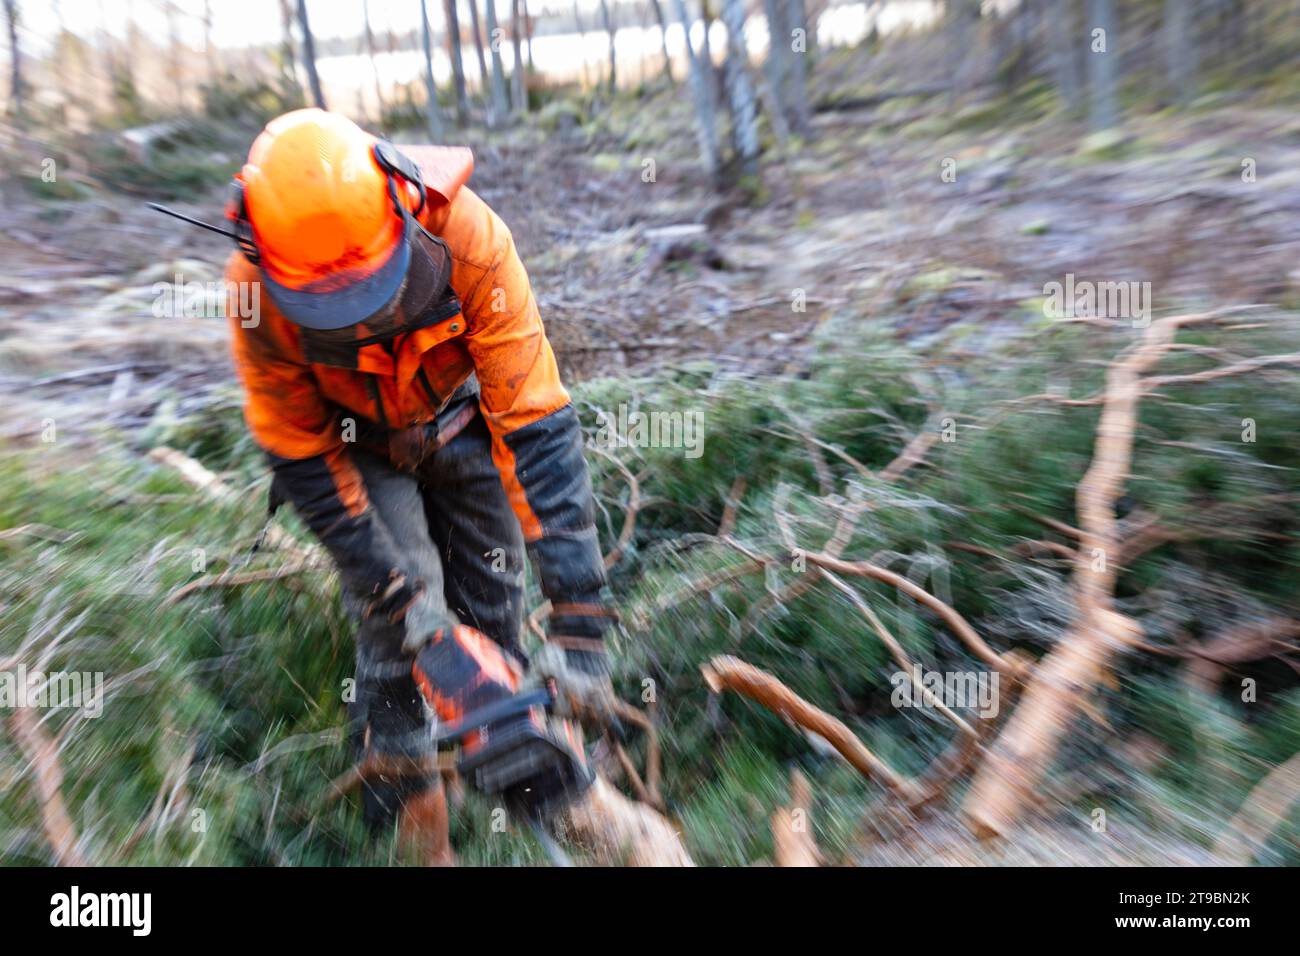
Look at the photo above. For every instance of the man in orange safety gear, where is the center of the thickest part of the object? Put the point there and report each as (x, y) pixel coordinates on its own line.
(399, 379)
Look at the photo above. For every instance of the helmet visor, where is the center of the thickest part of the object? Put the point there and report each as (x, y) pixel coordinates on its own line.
(337, 308)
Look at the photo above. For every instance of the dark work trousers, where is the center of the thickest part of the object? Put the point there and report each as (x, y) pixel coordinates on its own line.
(456, 532)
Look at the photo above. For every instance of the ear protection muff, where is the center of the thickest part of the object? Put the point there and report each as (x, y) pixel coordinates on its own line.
(395, 164)
(237, 213)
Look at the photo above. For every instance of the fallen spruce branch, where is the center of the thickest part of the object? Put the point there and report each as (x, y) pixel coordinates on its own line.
(194, 474)
(1065, 679)
(168, 804)
(375, 765)
(731, 506)
(41, 532)
(633, 775)
(896, 651)
(424, 829)
(1013, 668)
(733, 674)
(231, 578)
(1262, 812)
(913, 454)
(729, 673)
(615, 554)
(702, 585)
(1274, 636)
(42, 753)
(653, 753)
(962, 753)
(793, 841)
(1007, 665)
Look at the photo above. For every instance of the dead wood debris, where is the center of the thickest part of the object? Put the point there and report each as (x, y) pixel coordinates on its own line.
(194, 474)
(897, 652)
(633, 507)
(730, 673)
(1063, 682)
(42, 752)
(1262, 812)
(618, 830)
(793, 841)
(1005, 664)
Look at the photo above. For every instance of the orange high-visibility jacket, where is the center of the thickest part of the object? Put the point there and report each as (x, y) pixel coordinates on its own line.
(295, 409)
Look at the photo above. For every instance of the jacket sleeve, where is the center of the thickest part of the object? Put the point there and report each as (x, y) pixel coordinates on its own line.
(536, 437)
(302, 437)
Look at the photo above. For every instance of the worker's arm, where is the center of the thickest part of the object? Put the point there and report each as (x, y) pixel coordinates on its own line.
(313, 468)
(536, 438)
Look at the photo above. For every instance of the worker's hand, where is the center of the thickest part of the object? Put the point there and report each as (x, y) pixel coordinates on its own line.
(426, 617)
(581, 679)
(394, 597)
(579, 628)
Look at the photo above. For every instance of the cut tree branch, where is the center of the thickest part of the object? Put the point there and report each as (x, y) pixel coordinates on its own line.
(1065, 679)
(41, 751)
(733, 674)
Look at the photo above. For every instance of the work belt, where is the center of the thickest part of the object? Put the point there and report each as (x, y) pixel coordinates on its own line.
(408, 449)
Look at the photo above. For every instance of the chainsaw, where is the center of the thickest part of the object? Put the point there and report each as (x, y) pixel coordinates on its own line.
(518, 736)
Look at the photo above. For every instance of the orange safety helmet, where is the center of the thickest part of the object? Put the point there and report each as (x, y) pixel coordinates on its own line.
(325, 211)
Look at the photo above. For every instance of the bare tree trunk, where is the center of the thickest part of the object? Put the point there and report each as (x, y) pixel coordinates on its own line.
(528, 38)
(706, 16)
(771, 79)
(1102, 110)
(125, 72)
(740, 90)
(290, 64)
(776, 68)
(457, 65)
(500, 104)
(609, 29)
(810, 12)
(16, 105)
(963, 27)
(209, 51)
(706, 49)
(642, 27)
(105, 42)
(797, 42)
(174, 41)
(582, 36)
(1014, 33)
(519, 89)
(482, 60)
(1067, 42)
(663, 39)
(362, 112)
(435, 120)
(706, 123)
(59, 59)
(309, 56)
(370, 53)
(1181, 48)
(784, 67)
